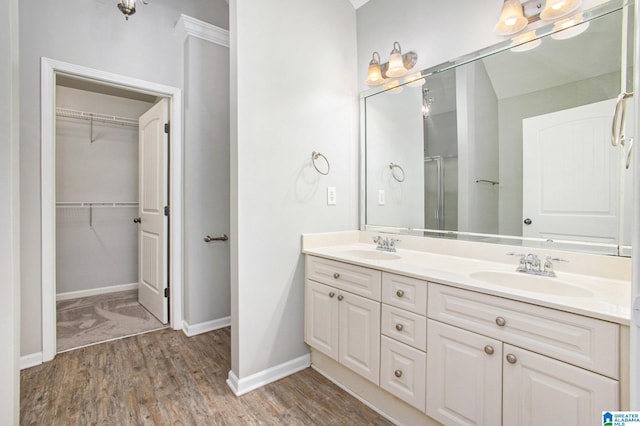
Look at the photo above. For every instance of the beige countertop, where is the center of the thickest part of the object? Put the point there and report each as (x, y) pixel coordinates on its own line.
(597, 296)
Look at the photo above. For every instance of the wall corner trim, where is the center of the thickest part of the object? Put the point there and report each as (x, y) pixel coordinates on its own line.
(189, 26)
(31, 360)
(205, 327)
(270, 375)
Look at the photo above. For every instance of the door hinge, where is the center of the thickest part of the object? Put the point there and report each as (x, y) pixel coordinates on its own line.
(166, 128)
(166, 292)
(166, 210)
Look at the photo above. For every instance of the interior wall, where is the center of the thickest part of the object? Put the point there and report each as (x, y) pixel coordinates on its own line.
(9, 215)
(206, 185)
(293, 92)
(512, 111)
(145, 47)
(101, 251)
(395, 134)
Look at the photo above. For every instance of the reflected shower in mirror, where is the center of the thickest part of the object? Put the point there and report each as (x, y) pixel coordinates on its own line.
(515, 144)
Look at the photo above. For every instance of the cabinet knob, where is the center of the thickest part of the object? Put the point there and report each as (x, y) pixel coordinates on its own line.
(501, 321)
(489, 350)
(511, 359)
(398, 373)
(399, 327)
(340, 297)
(336, 275)
(332, 294)
(400, 293)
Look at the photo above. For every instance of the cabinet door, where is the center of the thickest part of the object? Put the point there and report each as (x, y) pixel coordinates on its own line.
(402, 371)
(542, 391)
(464, 376)
(360, 335)
(321, 318)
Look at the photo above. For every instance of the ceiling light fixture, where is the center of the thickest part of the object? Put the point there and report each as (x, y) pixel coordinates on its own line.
(397, 66)
(128, 7)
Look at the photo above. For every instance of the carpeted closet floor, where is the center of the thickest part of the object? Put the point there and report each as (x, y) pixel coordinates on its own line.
(88, 320)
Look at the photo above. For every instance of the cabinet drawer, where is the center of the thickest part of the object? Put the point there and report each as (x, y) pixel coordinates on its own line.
(405, 293)
(355, 279)
(403, 372)
(586, 342)
(404, 326)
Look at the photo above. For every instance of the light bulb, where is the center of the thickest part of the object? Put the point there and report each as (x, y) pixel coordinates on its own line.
(511, 20)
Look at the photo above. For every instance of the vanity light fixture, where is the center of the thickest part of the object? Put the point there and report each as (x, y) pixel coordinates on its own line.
(512, 18)
(392, 86)
(568, 28)
(525, 42)
(128, 7)
(517, 14)
(397, 66)
(554, 9)
(414, 80)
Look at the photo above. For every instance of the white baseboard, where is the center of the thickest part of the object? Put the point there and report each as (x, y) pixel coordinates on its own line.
(31, 360)
(96, 291)
(270, 375)
(204, 327)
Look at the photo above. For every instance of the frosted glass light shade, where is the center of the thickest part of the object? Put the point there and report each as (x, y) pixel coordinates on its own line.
(511, 20)
(414, 80)
(568, 28)
(396, 65)
(393, 86)
(555, 9)
(374, 75)
(525, 42)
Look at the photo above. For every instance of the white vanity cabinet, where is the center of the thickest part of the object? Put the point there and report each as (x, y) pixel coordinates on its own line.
(498, 361)
(339, 323)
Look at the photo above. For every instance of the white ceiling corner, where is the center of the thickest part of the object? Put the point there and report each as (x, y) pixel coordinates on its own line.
(357, 3)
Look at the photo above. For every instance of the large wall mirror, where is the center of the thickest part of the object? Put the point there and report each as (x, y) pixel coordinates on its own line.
(513, 146)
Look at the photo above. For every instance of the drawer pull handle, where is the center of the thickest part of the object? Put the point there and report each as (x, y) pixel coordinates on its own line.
(340, 297)
(399, 327)
(336, 275)
(489, 350)
(398, 373)
(332, 294)
(511, 359)
(501, 321)
(400, 293)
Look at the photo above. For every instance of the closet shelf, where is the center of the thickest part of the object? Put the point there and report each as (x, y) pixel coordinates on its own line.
(96, 204)
(95, 117)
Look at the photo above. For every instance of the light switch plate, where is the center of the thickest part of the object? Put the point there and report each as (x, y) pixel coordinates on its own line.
(381, 197)
(331, 195)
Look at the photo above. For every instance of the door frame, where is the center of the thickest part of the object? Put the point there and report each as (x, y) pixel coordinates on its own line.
(49, 69)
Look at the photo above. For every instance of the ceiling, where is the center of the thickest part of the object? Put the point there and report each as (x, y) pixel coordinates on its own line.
(357, 3)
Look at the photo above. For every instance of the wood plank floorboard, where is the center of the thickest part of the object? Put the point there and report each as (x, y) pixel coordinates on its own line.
(166, 378)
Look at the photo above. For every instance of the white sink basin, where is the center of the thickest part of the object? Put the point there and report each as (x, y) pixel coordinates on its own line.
(372, 254)
(531, 283)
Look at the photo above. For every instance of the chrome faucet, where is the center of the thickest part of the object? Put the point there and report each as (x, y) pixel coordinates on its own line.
(385, 244)
(530, 264)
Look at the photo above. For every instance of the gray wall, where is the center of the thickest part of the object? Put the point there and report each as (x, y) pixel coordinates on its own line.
(9, 216)
(105, 252)
(206, 186)
(293, 91)
(144, 47)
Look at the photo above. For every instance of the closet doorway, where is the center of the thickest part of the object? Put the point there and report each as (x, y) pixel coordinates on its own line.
(111, 204)
(111, 228)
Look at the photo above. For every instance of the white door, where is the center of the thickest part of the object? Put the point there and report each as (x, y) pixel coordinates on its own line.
(542, 391)
(360, 335)
(153, 226)
(464, 377)
(321, 318)
(571, 175)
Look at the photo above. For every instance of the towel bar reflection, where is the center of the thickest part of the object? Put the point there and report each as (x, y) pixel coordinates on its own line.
(314, 156)
(209, 238)
(492, 182)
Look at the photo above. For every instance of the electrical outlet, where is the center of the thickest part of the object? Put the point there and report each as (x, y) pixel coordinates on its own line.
(331, 195)
(381, 197)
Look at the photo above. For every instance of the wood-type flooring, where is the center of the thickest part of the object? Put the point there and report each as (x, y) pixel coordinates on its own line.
(166, 378)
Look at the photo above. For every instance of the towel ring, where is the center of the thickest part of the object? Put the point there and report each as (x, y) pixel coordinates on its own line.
(314, 156)
(394, 168)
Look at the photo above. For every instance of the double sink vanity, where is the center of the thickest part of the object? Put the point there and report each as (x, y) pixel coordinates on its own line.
(446, 331)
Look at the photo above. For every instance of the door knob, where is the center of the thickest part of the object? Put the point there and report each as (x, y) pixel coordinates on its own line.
(137, 220)
(527, 221)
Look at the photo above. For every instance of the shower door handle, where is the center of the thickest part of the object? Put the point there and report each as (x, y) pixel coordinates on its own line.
(137, 220)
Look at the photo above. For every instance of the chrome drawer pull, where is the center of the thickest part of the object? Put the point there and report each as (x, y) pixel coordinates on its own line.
(511, 359)
(398, 373)
(399, 327)
(340, 297)
(332, 294)
(489, 350)
(400, 293)
(336, 275)
(501, 321)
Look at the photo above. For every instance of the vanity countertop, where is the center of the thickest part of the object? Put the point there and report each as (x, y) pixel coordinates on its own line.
(594, 296)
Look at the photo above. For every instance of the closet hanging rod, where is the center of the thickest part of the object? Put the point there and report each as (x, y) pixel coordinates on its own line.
(96, 204)
(97, 118)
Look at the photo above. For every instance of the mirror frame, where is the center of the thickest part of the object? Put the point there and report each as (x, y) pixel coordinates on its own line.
(542, 30)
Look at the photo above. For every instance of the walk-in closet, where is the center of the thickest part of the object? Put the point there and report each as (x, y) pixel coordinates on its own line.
(97, 213)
